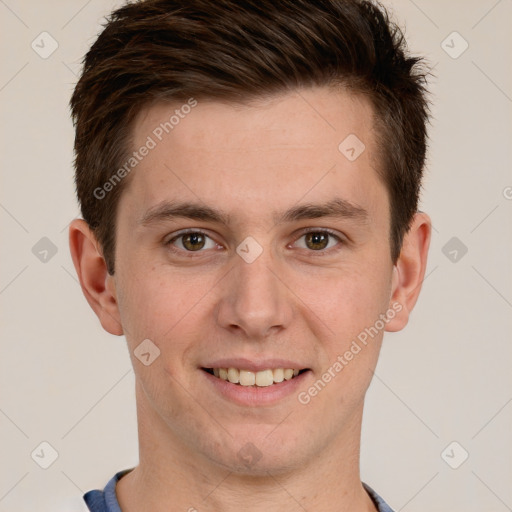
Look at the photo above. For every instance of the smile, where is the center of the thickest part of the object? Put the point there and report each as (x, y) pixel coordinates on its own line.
(248, 378)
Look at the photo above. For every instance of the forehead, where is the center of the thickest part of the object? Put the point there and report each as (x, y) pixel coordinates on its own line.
(276, 150)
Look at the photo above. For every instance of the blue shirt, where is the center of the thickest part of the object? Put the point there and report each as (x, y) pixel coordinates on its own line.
(106, 500)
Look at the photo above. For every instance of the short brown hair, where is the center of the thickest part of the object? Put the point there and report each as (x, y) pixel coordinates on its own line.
(235, 50)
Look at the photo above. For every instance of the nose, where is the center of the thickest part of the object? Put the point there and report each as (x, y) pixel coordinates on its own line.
(254, 299)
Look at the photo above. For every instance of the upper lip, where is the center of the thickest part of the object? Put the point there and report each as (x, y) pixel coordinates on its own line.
(254, 365)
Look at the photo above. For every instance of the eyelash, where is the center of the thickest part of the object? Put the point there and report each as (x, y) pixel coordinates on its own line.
(192, 254)
(332, 234)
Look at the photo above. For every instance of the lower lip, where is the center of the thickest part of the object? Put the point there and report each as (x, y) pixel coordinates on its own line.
(254, 395)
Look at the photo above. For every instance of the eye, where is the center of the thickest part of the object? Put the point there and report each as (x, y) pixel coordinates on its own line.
(192, 241)
(318, 240)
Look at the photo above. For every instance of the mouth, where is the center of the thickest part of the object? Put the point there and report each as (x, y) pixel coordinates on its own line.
(262, 378)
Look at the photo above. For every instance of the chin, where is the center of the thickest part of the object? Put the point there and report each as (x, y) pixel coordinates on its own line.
(259, 455)
(260, 466)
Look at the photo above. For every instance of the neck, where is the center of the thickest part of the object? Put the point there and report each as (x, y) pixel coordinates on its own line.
(170, 473)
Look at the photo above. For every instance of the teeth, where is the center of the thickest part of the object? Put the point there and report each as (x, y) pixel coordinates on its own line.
(278, 375)
(265, 378)
(233, 375)
(262, 379)
(288, 374)
(247, 378)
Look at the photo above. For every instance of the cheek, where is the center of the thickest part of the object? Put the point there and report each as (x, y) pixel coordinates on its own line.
(163, 306)
(350, 300)
(351, 306)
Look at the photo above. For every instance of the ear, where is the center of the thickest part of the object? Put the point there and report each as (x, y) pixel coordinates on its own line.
(409, 271)
(97, 284)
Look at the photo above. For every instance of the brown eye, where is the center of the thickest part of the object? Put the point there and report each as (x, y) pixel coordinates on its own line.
(320, 240)
(193, 241)
(317, 240)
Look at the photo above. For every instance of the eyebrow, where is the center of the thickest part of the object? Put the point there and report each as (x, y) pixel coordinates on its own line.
(337, 208)
(167, 210)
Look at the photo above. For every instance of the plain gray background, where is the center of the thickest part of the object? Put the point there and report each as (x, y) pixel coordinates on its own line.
(446, 378)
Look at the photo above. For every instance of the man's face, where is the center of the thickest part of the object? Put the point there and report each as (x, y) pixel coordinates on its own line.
(251, 289)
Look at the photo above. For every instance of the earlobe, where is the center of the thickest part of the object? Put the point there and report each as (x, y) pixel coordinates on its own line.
(97, 285)
(409, 271)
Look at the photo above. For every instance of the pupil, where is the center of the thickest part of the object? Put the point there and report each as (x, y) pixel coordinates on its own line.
(193, 241)
(317, 241)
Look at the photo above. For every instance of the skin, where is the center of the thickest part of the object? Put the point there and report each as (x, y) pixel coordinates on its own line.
(294, 302)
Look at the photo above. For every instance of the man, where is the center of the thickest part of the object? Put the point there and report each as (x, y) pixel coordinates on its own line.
(248, 174)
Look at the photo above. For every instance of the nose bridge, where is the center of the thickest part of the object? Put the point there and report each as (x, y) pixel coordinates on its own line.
(254, 300)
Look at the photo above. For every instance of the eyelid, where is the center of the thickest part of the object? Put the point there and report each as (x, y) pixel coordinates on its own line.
(338, 236)
(169, 242)
(185, 231)
(331, 232)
